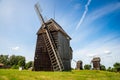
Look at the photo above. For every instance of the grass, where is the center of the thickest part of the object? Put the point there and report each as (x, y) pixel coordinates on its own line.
(10, 74)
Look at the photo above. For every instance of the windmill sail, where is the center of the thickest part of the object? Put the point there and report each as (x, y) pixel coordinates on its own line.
(38, 11)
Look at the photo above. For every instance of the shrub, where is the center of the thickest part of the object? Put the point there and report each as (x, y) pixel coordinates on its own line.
(15, 67)
(87, 67)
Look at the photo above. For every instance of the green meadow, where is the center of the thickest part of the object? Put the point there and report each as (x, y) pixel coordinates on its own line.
(11, 74)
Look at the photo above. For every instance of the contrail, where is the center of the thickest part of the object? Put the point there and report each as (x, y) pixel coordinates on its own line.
(84, 14)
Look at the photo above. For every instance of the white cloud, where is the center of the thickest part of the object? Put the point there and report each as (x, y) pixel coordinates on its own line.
(107, 52)
(88, 29)
(84, 14)
(98, 13)
(92, 55)
(102, 48)
(83, 33)
(104, 11)
(15, 48)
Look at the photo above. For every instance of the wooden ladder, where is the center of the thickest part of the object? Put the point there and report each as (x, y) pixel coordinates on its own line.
(53, 52)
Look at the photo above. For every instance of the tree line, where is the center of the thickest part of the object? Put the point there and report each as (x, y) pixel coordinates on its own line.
(15, 61)
(115, 68)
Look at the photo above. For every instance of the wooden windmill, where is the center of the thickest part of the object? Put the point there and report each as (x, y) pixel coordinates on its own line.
(79, 65)
(96, 63)
(53, 51)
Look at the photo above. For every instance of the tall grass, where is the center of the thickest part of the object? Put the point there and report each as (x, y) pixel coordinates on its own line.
(10, 74)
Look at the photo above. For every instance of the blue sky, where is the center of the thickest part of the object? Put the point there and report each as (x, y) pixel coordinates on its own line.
(94, 26)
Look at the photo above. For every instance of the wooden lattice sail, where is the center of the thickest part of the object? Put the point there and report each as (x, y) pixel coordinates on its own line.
(53, 51)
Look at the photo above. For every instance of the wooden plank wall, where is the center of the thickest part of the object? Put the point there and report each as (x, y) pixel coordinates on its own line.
(64, 49)
(41, 61)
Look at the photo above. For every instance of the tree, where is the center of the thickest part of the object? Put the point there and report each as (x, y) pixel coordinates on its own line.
(109, 69)
(117, 66)
(87, 67)
(4, 59)
(13, 60)
(21, 62)
(102, 67)
(17, 60)
(29, 64)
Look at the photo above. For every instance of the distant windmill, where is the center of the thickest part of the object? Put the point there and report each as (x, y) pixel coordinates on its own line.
(78, 64)
(53, 51)
(96, 63)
